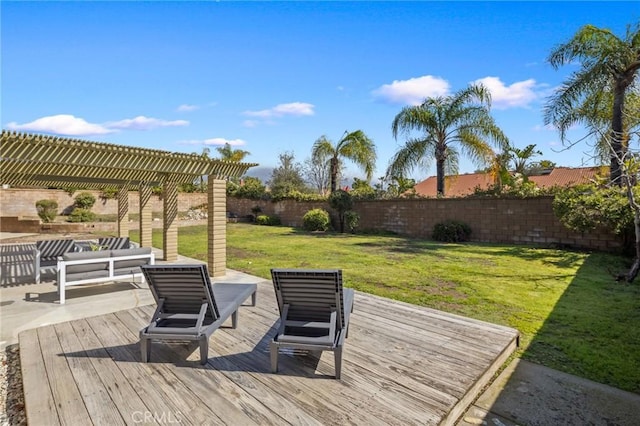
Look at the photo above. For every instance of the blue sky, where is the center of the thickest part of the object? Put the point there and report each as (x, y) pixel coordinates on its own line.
(272, 77)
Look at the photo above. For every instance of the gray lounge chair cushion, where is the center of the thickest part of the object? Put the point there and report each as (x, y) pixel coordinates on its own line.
(131, 263)
(89, 267)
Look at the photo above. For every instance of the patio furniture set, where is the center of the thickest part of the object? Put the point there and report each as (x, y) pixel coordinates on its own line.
(314, 307)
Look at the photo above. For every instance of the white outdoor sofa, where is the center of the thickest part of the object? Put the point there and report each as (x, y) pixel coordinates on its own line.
(90, 267)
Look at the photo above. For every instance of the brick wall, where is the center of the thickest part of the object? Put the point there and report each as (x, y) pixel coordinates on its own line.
(22, 202)
(519, 221)
(491, 220)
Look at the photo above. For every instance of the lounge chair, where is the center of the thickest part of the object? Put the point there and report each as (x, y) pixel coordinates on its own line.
(114, 243)
(189, 306)
(47, 253)
(314, 312)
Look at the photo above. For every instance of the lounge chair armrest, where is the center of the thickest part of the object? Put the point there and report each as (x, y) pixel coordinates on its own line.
(203, 312)
(307, 324)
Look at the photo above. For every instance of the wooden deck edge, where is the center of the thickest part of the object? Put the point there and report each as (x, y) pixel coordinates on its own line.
(474, 391)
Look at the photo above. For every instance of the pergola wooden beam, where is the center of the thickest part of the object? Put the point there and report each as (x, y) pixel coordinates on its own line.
(51, 161)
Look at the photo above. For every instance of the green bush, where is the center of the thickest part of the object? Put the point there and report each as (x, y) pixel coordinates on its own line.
(82, 215)
(267, 220)
(47, 210)
(342, 202)
(316, 220)
(451, 231)
(352, 219)
(587, 207)
(109, 193)
(85, 200)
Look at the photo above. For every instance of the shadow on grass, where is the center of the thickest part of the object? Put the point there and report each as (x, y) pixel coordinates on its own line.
(592, 333)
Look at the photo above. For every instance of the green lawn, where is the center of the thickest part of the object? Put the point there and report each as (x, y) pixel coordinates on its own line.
(571, 313)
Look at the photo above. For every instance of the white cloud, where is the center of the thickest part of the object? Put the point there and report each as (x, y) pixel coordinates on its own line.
(62, 124)
(223, 141)
(412, 91)
(187, 108)
(295, 109)
(544, 128)
(519, 94)
(144, 123)
(67, 124)
(250, 123)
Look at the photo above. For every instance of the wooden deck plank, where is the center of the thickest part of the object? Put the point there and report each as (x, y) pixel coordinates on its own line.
(402, 364)
(357, 395)
(115, 382)
(35, 382)
(98, 403)
(207, 376)
(209, 395)
(69, 402)
(156, 384)
(242, 375)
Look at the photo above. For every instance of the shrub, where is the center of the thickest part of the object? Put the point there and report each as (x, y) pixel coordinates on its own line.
(267, 220)
(85, 200)
(341, 201)
(352, 219)
(109, 193)
(47, 210)
(82, 215)
(316, 220)
(451, 231)
(586, 207)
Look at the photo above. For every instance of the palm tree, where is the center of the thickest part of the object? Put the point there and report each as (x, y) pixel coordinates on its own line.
(354, 146)
(521, 158)
(609, 66)
(229, 154)
(461, 121)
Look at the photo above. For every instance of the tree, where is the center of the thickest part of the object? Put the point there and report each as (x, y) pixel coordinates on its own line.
(229, 154)
(521, 157)
(287, 177)
(447, 123)
(355, 146)
(317, 174)
(599, 91)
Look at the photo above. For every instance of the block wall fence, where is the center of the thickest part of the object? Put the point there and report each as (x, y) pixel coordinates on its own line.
(519, 221)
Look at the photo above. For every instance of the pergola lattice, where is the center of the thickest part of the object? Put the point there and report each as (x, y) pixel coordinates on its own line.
(31, 160)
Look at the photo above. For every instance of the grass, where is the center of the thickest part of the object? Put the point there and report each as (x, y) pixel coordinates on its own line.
(571, 313)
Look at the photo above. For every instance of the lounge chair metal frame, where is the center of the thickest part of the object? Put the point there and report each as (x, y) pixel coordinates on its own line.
(190, 308)
(314, 312)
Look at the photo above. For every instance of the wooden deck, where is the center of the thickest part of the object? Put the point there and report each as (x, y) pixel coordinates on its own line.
(403, 365)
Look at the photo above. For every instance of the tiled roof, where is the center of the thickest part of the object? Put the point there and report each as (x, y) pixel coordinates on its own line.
(463, 185)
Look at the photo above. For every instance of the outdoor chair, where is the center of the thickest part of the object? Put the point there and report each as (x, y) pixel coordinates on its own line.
(47, 253)
(190, 308)
(114, 243)
(314, 312)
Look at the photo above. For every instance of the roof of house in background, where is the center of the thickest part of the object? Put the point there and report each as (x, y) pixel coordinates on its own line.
(463, 185)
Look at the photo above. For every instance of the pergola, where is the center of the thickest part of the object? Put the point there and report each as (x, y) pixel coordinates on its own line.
(30, 160)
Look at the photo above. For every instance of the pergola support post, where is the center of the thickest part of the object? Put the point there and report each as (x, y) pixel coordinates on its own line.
(170, 231)
(217, 226)
(146, 217)
(123, 211)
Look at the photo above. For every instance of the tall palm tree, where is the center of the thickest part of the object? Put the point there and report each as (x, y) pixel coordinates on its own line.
(448, 124)
(229, 154)
(609, 66)
(354, 146)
